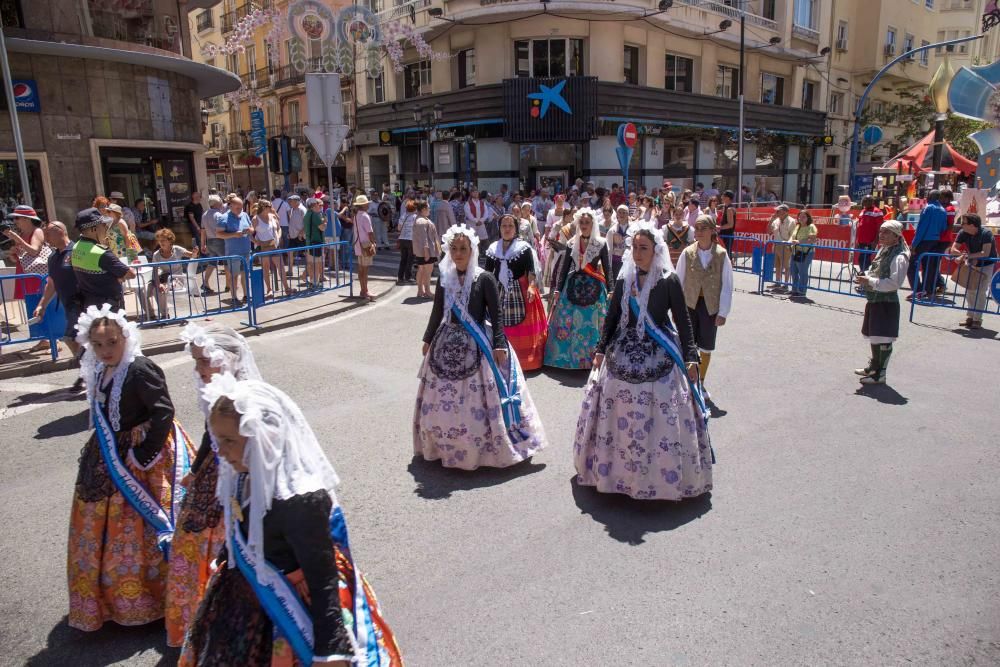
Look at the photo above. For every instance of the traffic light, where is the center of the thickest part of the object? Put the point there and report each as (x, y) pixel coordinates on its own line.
(274, 155)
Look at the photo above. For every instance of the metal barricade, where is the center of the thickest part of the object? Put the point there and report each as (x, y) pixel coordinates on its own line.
(746, 252)
(17, 313)
(198, 288)
(826, 268)
(282, 275)
(976, 290)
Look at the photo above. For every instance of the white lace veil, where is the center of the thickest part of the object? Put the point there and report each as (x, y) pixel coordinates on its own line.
(595, 244)
(660, 267)
(455, 292)
(282, 455)
(91, 369)
(226, 350)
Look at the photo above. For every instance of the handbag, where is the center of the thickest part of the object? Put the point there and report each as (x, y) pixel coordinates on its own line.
(38, 263)
(367, 249)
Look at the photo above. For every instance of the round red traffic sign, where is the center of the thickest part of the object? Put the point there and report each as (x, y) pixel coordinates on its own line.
(630, 135)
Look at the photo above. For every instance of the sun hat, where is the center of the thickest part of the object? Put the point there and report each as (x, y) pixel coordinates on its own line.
(116, 195)
(361, 200)
(22, 211)
(116, 208)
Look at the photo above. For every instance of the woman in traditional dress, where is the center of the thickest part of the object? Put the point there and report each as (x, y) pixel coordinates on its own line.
(580, 298)
(557, 242)
(515, 266)
(200, 533)
(706, 273)
(473, 407)
(881, 284)
(678, 235)
(126, 494)
(643, 428)
(286, 591)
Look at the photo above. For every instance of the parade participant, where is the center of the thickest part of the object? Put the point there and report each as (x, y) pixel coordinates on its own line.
(126, 496)
(514, 264)
(527, 227)
(199, 533)
(557, 242)
(286, 591)
(617, 235)
(426, 249)
(884, 278)
(706, 273)
(643, 426)
(580, 298)
(473, 407)
(678, 234)
(476, 214)
(98, 271)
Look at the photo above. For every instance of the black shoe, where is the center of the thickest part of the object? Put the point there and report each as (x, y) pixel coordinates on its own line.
(207, 291)
(78, 386)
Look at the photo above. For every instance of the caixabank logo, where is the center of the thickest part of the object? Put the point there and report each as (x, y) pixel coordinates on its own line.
(551, 109)
(546, 97)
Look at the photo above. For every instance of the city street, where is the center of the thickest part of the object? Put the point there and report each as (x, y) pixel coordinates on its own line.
(848, 526)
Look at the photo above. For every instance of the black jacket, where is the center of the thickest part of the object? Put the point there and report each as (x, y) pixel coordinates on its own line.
(666, 296)
(144, 399)
(483, 299)
(567, 265)
(521, 264)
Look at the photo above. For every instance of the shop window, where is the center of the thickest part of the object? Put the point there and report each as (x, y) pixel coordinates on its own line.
(680, 74)
(376, 89)
(808, 94)
(772, 89)
(466, 68)
(678, 156)
(631, 61)
(727, 81)
(548, 57)
(417, 79)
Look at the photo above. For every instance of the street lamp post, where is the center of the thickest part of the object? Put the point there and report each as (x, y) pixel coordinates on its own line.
(428, 122)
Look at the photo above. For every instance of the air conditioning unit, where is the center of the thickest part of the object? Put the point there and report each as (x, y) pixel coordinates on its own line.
(911, 56)
(842, 44)
(890, 49)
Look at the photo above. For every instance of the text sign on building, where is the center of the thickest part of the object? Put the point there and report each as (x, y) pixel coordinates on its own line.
(257, 132)
(550, 110)
(26, 95)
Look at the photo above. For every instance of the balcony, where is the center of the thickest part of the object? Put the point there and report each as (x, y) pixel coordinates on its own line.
(805, 32)
(203, 21)
(219, 142)
(733, 13)
(231, 18)
(287, 75)
(402, 9)
(257, 79)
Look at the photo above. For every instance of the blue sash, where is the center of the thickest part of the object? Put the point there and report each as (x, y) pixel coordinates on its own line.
(666, 340)
(510, 394)
(137, 496)
(285, 608)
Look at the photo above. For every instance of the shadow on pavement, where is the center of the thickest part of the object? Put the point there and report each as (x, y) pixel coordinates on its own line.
(416, 300)
(435, 482)
(68, 425)
(567, 378)
(57, 396)
(628, 520)
(112, 643)
(882, 393)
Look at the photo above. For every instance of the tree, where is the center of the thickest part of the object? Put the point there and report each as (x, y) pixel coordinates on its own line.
(915, 118)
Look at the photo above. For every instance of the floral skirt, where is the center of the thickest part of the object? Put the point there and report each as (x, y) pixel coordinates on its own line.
(645, 440)
(574, 331)
(458, 419)
(199, 537)
(232, 629)
(115, 569)
(528, 337)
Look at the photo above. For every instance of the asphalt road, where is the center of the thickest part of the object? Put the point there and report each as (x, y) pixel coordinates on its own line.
(848, 527)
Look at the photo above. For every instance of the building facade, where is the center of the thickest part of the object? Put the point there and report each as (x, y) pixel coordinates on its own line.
(107, 99)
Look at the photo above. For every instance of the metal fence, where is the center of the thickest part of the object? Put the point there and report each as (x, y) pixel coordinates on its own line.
(976, 290)
(814, 267)
(18, 325)
(295, 273)
(167, 292)
(746, 253)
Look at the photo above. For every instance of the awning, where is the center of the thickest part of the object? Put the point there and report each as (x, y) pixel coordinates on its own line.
(920, 157)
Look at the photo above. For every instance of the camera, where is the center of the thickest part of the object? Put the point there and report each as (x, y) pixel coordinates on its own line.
(6, 225)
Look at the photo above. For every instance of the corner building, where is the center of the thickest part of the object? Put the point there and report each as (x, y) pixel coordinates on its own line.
(612, 63)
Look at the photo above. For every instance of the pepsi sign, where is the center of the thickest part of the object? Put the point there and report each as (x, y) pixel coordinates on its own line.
(26, 95)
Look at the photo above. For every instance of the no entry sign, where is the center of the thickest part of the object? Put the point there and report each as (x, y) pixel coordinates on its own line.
(628, 135)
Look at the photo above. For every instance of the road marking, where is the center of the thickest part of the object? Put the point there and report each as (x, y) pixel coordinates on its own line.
(29, 387)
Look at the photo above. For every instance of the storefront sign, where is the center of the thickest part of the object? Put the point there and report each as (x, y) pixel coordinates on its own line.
(384, 138)
(26, 96)
(178, 187)
(550, 110)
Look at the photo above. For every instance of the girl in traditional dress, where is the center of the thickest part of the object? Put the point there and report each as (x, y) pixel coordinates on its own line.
(678, 235)
(706, 273)
(286, 591)
(515, 266)
(473, 407)
(580, 298)
(643, 427)
(200, 533)
(882, 280)
(127, 487)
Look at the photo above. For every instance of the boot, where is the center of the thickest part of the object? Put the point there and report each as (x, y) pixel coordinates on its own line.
(879, 376)
(871, 367)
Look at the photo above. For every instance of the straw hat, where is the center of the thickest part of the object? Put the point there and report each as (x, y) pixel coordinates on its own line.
(361, 200)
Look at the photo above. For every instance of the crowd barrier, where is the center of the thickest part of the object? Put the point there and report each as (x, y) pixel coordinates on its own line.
(746, 253)
(333, 274)
(828, 269)
(162, 294)
(17, 313)
(970, 289)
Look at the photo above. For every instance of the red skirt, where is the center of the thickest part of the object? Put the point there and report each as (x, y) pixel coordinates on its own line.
(25, 286)
(528, 337)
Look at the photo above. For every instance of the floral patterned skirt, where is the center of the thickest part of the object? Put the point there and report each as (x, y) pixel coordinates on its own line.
(115, 569)
(458, 418)
(575, 330)
(199, 537)
(646, 439)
